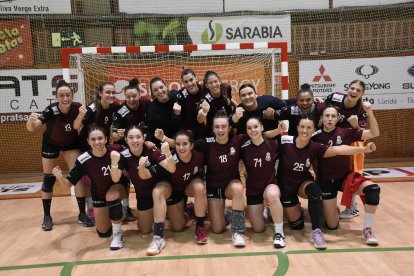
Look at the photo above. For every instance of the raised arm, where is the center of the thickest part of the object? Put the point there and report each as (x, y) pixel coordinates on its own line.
(116, 173)
(373, 130)
(348, 150)
(78, 123)
(33, 122)
(57, 172)
(169, 162)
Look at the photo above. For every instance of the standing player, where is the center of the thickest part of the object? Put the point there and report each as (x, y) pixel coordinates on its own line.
(351, 115)
(106, 193)
(296, 156)
(60, 135)
(259, 155)
(222, 155)
(333, 171)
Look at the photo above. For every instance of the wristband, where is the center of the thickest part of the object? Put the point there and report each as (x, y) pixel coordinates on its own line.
(114, 166)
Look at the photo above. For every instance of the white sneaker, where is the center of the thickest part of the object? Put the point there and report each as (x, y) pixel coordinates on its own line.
(238, 240)
(278, 241)
(349, 212)
(117, 241)
(156, 246)
(369, 237)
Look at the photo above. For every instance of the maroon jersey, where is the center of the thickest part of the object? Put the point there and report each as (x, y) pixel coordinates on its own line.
(129, 162)
(186, 172)
(97, 168)
(59, 127)
(217, 104)
(293, 114)
(260, 165)
(125, 117)
(222, 160)
(104, 119)
(337, 99)
(336, 167)
(189, 112)
(294, 163)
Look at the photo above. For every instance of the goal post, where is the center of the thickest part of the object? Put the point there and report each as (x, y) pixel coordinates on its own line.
(265, 64)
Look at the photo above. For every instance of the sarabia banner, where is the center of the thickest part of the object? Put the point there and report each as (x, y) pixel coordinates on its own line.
(16, 43)
(389, 81)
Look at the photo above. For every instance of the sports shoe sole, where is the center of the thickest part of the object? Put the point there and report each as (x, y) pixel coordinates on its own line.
(199, 242)
(155, 253)
(116, 248)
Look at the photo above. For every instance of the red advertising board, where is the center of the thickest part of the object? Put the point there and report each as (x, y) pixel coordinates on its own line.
(16, 43)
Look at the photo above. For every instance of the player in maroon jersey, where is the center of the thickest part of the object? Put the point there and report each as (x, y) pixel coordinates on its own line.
(222, 155)
(188, 180)
(351, 115)
(106, 193)
(332, 171)
(60, 135)
(141, 162)
(297, 155)
(130, 113)
(259, 156)
(217, 97)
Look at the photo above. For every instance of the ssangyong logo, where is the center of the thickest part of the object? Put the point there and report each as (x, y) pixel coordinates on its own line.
(322, 75)
(367, 71)
(212, 34)
(410, 70)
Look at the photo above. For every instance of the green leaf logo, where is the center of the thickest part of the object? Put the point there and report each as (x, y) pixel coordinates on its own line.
(214, 35)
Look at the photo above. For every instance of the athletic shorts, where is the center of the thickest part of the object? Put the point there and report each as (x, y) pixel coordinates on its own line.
(214, 193)
(255, 200)
(289, 201)
(176, 197)
(330, 188)
(50, 151)
(99, 195)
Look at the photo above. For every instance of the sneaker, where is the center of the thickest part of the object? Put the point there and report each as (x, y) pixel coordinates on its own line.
(189, 210)
(47, 224)
(278, 241)
(349, 212)
(85, 220)
(369, 237)
(156, 246)
(91, 215)
(238, 240)
(129, 215)
(318, 239)
(200, 235)
(227, 215)
(117, 241)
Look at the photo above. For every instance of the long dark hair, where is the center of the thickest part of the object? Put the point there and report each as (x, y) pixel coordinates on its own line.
(98, 97)
(223, 87)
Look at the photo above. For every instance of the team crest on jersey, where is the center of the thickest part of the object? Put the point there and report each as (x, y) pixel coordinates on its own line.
(268, 158)
(232, 151)
(195, 170)
(307, 163)
(339, 140)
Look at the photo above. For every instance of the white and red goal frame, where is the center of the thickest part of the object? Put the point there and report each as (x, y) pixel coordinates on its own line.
(283, 46)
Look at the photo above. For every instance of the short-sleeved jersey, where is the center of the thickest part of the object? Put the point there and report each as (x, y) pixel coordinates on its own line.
(293, 114)
(59, 126)
(260, 165)
(222, 160)
(217, 104)
(294, 163)
(104, 119)
(97, 168)
(129, 162)
(263, 102)
(337, 99)
(186, 172)
(161, 115)
(189, 103)
(336, 167)
(125, 117)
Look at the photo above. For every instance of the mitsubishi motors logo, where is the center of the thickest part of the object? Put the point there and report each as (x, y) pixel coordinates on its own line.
(322, 75)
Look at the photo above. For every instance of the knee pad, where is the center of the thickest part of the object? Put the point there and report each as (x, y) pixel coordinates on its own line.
(48, 183)
(115, 209)
(331, 228)
(107, 234)
(313, 192)
(372, 194)
(298, 224)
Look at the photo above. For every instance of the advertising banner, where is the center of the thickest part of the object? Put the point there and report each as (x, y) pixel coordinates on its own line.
(170, 6)
(16, 43)
(26, 91)
(231, 29)
(35, 7)
(389, 81)
(274, 5)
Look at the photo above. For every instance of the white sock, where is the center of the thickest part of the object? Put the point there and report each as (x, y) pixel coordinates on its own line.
(353, 201)
(368, 220)
(125, 202)
(89, 202)
(116, 228)
(279, 228)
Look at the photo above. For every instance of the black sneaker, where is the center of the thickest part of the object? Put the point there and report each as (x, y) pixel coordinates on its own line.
(47, 224)
(85, 220)
(129, 215)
